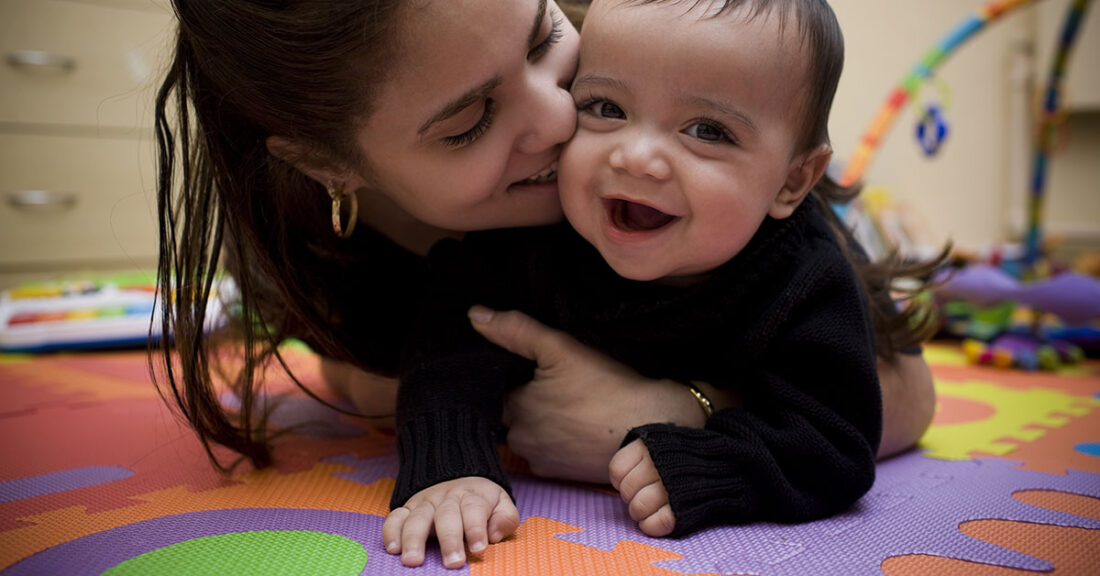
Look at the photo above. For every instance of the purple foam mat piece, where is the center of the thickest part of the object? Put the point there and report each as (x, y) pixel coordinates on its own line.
(915, 507)
(366, 471)
(63, 481)
(1073, 297)
(98, 552)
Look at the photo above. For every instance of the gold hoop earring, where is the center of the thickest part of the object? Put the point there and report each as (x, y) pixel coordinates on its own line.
(337, 193)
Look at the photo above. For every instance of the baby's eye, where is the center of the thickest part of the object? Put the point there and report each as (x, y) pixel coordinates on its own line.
(709, 132)
(605, 109)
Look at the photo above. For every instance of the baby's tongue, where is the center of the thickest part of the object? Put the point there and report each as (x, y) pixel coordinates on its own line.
(641, 217)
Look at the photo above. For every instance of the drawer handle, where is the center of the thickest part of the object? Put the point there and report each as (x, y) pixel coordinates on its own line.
(39, 59)
(38, 199)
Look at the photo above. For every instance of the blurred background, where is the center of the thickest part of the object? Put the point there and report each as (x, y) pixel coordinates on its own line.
(77, 173)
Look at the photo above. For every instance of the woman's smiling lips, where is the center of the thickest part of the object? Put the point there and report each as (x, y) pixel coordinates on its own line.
(545, 180)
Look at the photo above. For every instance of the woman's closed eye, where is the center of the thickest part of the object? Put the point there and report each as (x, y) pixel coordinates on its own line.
(557, 31)
(557, 21)
(475, 132)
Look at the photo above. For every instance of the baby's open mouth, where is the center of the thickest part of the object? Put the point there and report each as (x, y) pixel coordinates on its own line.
(634, 217)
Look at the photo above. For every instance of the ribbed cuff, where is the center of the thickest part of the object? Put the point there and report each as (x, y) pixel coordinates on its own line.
(704, 486)
(438, 446)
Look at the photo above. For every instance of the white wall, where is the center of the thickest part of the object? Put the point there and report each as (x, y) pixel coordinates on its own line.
(966, 192)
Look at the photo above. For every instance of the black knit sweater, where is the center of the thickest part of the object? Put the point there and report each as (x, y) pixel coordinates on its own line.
(784, 324)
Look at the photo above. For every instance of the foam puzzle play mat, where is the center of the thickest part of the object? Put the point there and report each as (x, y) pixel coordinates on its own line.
(97, 476)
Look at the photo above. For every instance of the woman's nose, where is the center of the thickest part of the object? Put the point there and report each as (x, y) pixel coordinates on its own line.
(551, 118)
(640, 155)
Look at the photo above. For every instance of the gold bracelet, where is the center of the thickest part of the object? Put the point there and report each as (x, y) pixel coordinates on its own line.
(704, 401)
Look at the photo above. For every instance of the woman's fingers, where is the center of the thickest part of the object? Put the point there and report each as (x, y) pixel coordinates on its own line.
(520, 334)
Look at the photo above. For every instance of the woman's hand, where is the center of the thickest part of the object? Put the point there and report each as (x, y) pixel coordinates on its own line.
(570, 420)
(473, 510)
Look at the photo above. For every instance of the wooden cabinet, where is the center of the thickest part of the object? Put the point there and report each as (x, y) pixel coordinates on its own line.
(77, 171)
(74, 200)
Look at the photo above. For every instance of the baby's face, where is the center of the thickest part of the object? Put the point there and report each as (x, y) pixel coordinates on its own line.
(686, 134)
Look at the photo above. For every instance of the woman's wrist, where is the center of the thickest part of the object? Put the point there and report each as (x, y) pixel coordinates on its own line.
(670, 402)
(701, 398)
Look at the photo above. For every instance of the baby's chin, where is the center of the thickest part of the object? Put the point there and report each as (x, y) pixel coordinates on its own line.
(637, 269)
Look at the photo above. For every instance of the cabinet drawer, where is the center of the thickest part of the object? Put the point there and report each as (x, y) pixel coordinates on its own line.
(74, 63)
(111, 185)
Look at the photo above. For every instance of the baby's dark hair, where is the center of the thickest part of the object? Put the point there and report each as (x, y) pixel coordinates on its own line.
(242, 71)
(822, 43)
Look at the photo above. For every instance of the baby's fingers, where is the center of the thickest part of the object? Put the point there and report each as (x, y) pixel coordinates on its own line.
(624, 461)
(504, 520)
(391, 529)
(415, 532)
(661, 523)
(475, 520)
(448, 530)
(647, 501)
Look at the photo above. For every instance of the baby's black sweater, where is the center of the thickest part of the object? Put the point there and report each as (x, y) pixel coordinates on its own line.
(784, 324)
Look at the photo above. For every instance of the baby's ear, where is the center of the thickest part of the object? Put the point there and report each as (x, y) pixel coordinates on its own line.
(308, 162)
(802, 174)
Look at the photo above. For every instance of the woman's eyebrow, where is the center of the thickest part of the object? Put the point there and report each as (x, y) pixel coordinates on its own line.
(461, 103)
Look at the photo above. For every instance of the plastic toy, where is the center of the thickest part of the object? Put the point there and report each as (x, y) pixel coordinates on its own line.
(1023, 351)
(932, 128)
(1072, 297)
(1048, 128)
(86, 313)
(1000, 317)
(911, 84)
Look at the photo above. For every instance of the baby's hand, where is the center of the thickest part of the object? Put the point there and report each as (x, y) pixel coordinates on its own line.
(635, 476)
(474, 506)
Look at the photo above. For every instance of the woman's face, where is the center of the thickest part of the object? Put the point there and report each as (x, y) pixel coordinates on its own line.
(465, 133)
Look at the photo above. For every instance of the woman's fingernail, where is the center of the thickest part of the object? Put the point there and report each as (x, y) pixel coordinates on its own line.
(495, 537)
(453, 559)
(480, 314)
(391, 547)
(478, 546)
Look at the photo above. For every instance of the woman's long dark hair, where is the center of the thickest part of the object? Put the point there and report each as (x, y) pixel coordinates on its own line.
(244, 70)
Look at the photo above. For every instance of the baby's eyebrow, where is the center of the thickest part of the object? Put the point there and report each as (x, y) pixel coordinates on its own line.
(603, 81)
